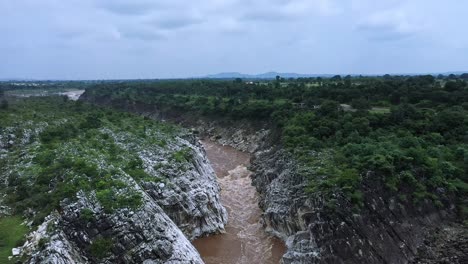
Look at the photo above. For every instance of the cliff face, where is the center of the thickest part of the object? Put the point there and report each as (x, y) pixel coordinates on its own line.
(177, 190)
(146, 235)
(191, 197)
(383, 231)
(185, 207)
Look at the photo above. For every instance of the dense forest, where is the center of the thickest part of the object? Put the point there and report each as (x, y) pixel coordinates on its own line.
(410, 132)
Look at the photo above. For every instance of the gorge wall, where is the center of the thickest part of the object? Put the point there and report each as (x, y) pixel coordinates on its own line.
(172, 214)
(178, 189)
(385, 230)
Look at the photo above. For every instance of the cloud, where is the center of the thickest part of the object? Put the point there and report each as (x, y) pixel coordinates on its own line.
(290, 10)
(173, 38)
(125, 7)
(140, 33)
(173, 21)
(387, 25)
(178, 22)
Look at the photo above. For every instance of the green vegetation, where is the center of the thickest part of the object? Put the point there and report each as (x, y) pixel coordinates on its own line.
(86, 214)
(101, 248)
(182, 155)
(4, 104)
(406, 134)
(63, 147)
(12, 233)
(409, 134)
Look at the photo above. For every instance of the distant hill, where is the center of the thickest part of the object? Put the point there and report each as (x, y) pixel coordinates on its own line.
(267, 75)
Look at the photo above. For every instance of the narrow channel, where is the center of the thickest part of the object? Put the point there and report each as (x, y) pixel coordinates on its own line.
(245, 240)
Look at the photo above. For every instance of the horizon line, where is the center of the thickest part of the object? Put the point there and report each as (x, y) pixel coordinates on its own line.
(247, 75)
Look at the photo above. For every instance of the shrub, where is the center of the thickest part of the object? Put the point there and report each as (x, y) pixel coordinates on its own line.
(42, 243)
(182, 155)
(86, 214)
(100, 248)
(58, 133)
(107, 199)
(4, 104)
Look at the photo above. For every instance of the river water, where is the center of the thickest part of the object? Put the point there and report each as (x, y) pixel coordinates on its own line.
(245, 240)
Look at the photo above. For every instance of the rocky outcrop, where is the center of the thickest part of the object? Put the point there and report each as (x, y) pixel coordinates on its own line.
(191, 195)
(50, 245)
(383, 231)
(446, 244)
(181, 205)
(146, 235)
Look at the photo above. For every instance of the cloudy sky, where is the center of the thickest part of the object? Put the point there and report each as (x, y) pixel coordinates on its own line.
(106, 39)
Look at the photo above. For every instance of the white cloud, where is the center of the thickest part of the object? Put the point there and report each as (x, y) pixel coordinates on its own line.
(388, 24)
(186, 38)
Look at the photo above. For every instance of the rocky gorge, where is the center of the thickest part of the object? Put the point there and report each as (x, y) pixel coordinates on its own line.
(384, 230)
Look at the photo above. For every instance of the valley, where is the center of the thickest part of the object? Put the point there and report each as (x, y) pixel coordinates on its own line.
(284, 173)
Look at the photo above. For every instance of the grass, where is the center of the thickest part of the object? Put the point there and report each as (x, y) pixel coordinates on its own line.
(11, 233)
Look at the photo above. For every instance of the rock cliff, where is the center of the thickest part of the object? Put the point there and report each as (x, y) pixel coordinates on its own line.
(178, 189)
(146, 235)
(174, 212)
(384, 230)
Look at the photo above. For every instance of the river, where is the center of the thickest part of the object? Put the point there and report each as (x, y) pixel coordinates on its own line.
(245, 240)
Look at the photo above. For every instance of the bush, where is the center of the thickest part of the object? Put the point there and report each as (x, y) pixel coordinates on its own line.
(58, 133)
(91, 121)
(4, 104)
(360, 104)
(86, 214)
(182, 155)
(101, 248)
(42, 243)
(107, 199)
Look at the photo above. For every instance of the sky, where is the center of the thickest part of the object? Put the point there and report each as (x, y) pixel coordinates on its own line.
(134, 39)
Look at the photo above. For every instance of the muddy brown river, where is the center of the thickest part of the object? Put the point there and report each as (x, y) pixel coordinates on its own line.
(245, 240)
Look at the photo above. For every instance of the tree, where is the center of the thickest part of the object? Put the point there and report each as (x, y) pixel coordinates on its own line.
(277, 81)
(452, 86)
(319, 80)
(360, 104)
(336, 78)
(4, 104)
(464, 76)
(347, 80)
(329, 108)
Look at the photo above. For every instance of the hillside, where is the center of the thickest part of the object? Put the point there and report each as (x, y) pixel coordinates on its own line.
(98, 185)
